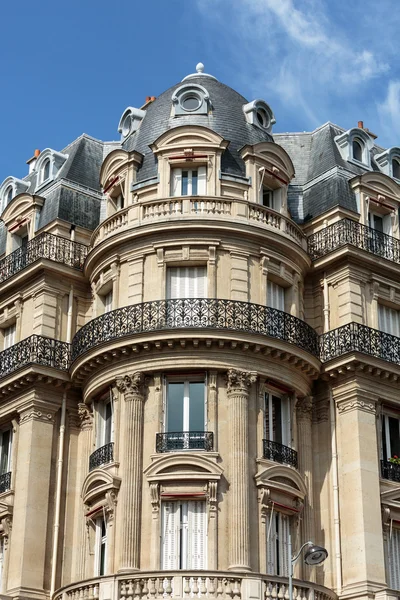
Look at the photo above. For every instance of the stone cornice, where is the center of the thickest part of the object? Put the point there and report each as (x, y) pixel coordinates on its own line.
(32, 414)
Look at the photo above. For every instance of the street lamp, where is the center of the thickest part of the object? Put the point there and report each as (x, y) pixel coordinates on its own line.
(315, 555)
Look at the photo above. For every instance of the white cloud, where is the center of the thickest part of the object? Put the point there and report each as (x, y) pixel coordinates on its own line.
(389, 110)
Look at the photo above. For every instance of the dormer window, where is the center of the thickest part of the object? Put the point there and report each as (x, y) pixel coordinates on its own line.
(260, 114)
(396, 168)
(130, 121)
(46, 170)
(10, 188)
(358, 150)
(9, 194)
(190, 99)
(48, 165)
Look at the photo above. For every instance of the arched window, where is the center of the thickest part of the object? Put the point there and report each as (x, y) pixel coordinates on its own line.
(357, 150)
(395, 168)
(9, 194)
(46, 170)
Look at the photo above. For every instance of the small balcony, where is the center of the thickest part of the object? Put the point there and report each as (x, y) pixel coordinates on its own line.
(349, 232)
(35, 349)
(175, 441)
(355, 337)
(390, 471)
(279, 453)
(43, 246)
(102, 456)
(5, 482)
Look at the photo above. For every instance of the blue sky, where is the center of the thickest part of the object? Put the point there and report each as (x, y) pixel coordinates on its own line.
(72, 67)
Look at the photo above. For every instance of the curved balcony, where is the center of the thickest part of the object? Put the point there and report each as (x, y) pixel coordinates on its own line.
(102, 456)
(390, 470)
(47, 246)
(355, 337)
(195, 313)
(35, 349)
(347, 231)
(192, 584)
(279, 453)
(175, 441)
(196, 208)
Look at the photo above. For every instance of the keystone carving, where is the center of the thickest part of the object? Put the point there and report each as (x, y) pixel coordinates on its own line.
(239, 382)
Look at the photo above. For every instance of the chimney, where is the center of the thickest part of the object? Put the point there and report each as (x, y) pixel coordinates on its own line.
(32, 161)
(371, 135)
(361, 124)
(148, 99)
(153, 98)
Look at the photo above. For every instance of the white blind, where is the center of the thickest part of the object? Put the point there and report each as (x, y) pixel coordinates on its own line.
(108, 299)
(176, 182)
(389, 320)
(9, 336)
(277, 544)
(275, 296)
(183, 535)
(393, 554)
(197, 535)
(202, 181)
(186, 282)
(169, 538)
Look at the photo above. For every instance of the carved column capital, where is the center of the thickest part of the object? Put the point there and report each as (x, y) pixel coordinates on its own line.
(239, 382)
(85, 416)
(304, 408)
(132, 385)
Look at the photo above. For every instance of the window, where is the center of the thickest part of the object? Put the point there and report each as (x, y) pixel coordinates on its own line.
(104, 424)
(189, 182)
(100, 554)
(380, 222)
(358, 150)
(184, 535)
(190, 99)
(46, 170)
(9, 336)
(9, 194)
(108, 301)
(277, 426)
(186, 282)
(278, 531)
(5, 451)
(393, 558)
(267, 197)
(185, 412)
(395, 168)
(390, 437)
(389, 320)
(119, 202)
(275, 296)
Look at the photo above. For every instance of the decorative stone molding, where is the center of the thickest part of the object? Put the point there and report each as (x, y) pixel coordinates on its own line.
(239, 382)
(35, 415)
(155, 497)
(85, 416)
(111, 500)
(212, 498)
(304, 407)
(356, 404)
(132, 386)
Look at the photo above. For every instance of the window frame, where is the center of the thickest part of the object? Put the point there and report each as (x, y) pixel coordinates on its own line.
(104, 422)
(177, 180)
(9, 443)
(9, 335)
(101, 547)
(195, 276)
(183, 534)
(285, 417)
(277, 292)
(277, 549)
(186, 380)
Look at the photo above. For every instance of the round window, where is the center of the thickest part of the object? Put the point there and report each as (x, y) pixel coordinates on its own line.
(126, 125)
(190, 102)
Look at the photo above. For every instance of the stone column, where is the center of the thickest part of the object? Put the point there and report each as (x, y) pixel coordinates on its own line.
(238, 386)
(84, 450)
(6, 524)
(305, 457)
(131, 489)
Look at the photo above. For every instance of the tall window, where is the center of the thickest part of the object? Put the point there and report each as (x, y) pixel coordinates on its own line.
(104, 424)
(357, 150)
(184, 535)
(390, 436)
(100, 553)
(46, 170)
(185, 410)
(393, 558)
(9, 336)
(267, 197)
(379, 222)
(277, 426)
(275, 296)
(5, 451)
(108, 301)
(186, 282)
(277, 544)
(189, 182)
(389, 320)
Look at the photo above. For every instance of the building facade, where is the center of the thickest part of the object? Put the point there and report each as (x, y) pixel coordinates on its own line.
(200, 357)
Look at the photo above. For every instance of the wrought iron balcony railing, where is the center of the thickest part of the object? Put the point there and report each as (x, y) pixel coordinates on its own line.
(279, 453)
(184, 440)
(355, 337)
(44, 245)
(101, 456)
(347, 231)
(35, 349)
(390, 471)
(5, 482)
(195, 313)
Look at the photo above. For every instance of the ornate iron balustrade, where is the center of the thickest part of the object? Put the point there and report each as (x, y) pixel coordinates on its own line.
(355, 337)
(390, 471)
(279, 453)
(44, 245)
(5, 482)
(184, 440)
(195, 313)
(347, 231)
(101, 456)
(35, 349)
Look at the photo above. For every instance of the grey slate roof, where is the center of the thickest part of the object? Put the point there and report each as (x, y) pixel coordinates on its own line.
(227, 119)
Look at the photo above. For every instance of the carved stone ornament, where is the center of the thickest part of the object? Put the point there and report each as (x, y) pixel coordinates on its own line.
(131, 385)
(111, 498)
(304, 407)
(212, 498)
(85, 416)
(36, 415)
(357, 404)
(239, 382)
(155, 497)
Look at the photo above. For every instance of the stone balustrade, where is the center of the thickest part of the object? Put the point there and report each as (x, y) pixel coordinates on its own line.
(197, 207)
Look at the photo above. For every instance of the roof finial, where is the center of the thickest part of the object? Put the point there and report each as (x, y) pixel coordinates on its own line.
(200, 68)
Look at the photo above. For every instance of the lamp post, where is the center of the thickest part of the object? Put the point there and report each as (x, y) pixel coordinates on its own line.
(315, 555)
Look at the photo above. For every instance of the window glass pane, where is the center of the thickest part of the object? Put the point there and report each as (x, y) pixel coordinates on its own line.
(357, 150)
(196, 406)
(396, 169)
(277, 419)
(184, 183)
(194, 183)
(175, 406)
(378, 223)
(5, 450)
(108, 424)
(394, 436)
